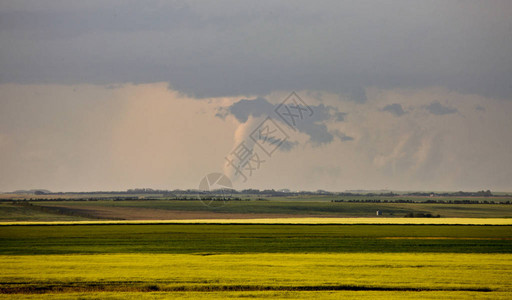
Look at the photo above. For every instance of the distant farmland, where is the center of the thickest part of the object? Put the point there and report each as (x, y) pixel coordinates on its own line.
(280, 247)
(165, 209)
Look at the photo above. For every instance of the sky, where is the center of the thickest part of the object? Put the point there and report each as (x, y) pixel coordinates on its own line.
(113, 95)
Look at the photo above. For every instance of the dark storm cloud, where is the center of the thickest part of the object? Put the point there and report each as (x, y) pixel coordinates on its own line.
(245, 108)
(395, 109)
(437, 108)
(231, 47)
(313, 125)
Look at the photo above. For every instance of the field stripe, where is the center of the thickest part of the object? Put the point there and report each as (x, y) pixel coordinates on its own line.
(333, 221)
(120, 287)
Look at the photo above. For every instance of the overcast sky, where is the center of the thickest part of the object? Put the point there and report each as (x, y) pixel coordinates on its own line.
(110, 95)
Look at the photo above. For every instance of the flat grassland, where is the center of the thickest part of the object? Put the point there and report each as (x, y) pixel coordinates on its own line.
(73, 210)
(281, 238)
(212, 261)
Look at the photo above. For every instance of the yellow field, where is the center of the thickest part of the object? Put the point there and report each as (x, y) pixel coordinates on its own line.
(372, 295)
(399, 221)
(358, 275)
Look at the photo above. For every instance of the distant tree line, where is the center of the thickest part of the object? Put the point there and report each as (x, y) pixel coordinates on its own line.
(420, 201)
(269, 193)
(481, 193)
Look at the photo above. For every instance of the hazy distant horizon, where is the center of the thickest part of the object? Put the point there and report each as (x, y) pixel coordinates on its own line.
(355, 191)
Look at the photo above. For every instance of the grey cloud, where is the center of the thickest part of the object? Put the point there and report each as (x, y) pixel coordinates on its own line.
(314, 126)
(318, 133)
(395, 109)
(222, 113)
(342, 136)
(284, 145)
(480, 108)
(245, 108)
(339, 116)
(437, 108)
(227, 48)
(287, 146)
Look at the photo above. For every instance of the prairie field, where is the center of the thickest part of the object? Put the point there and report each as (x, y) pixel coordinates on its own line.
(262, 275)
(260, 261)
(252, 238)
(272, 207)
(284, 248)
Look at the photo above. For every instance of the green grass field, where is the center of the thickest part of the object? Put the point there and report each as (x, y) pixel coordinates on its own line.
(18, 213)
(207, 238)
(193, 261)
(83, 210)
